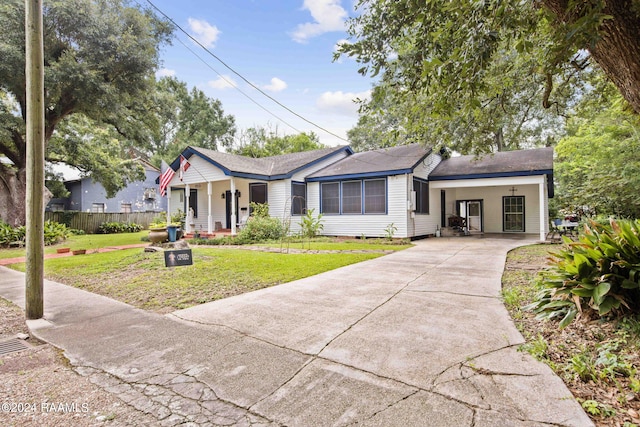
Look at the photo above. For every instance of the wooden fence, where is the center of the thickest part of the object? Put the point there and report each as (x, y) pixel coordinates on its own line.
(89, 222)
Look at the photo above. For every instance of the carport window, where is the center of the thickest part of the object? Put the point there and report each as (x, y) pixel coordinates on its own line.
(513, 213)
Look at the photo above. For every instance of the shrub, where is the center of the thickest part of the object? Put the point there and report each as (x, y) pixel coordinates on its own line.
(54, 232)
(311, 226)
(599, 275)
(9, 234)
(259, 229)
(118, 227)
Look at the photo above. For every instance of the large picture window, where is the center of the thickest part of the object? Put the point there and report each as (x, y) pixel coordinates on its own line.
(513, 213)
(367, 196)
(298, 198)
(330, 194)
(422, 195)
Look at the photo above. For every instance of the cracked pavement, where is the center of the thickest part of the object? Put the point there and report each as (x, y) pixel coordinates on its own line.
(418, 337)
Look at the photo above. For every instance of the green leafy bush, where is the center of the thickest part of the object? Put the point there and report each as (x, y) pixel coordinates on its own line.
(599, 275)
(9, 234)
(260, 229)
(54, 232)
(118, 227)
(311, 226)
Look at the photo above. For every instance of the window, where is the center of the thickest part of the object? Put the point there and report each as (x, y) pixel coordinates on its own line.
(375, 196)
(330, 197)
(56, 207)
(513, 213)
(258, 193)
(367, 196)
(298, 198)
(352, 197)
(97, 208)
(422, 195)
(125, 207)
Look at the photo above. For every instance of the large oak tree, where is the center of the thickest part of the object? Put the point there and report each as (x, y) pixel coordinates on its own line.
(100, 59)
(458, 64)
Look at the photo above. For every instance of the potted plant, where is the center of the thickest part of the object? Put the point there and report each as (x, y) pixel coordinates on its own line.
(63, 250)
(158, 231)
(79, 252)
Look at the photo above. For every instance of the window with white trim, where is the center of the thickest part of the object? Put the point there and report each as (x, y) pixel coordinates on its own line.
(513, 213)
(97, 207)
(125, 208)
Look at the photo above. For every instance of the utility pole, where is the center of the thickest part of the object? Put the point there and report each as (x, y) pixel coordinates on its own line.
(34, 70)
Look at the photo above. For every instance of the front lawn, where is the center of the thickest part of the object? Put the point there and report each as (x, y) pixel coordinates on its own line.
(141, 279)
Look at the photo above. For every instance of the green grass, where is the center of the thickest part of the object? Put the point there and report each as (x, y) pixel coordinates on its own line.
(141, 279)
(87, 241)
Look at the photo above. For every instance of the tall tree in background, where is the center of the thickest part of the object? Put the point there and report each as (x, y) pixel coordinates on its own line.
(187, 118)
(100, 56)
(265, 142)
(462, 65)
(597, 166)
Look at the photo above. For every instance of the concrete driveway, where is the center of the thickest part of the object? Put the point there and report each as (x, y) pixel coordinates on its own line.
(415, 338)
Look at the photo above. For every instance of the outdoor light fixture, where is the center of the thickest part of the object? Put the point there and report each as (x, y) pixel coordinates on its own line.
(222, 195)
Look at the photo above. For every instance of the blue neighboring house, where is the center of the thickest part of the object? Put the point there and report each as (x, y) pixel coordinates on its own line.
(89, 196)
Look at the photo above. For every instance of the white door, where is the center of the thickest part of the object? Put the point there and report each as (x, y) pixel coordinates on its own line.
(474, 217)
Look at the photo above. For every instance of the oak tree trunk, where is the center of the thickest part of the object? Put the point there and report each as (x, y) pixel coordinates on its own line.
(13, 187)
(617, 51)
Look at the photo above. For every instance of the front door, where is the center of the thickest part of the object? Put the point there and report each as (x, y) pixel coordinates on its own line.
(474, 216)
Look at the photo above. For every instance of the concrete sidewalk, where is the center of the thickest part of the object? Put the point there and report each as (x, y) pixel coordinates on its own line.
(415, 338)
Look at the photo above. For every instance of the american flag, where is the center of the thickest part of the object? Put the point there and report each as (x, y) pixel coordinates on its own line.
(184, 165)
(165, 177)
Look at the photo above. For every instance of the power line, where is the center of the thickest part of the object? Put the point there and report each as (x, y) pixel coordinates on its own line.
(244, 79)
(230, 83)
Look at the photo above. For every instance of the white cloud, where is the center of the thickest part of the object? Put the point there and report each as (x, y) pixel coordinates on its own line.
(165, 72)
(343, 103)
(223, 82)
(204, 32)
(328, 16)
(276, 85)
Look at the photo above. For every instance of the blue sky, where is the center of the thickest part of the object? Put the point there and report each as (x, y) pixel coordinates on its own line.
(285, 47)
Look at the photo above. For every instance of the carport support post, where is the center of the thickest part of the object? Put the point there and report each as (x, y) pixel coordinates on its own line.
(210, 217)
(233, 207)
(543, 209)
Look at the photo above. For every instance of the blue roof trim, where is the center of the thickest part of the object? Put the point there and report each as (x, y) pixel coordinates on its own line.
(492, 175)
(377, 174)
(188, 152)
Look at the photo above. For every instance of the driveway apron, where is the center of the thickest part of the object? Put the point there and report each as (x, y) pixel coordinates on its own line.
(416, 338)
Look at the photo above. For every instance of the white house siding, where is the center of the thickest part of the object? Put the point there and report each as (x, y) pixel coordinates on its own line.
(367, 225)
(425, 224)
(491, 196)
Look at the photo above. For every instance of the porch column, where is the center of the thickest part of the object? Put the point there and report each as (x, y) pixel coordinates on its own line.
(543, 209)
(168, 205)
(188, 218)
(233, 206)
(210, 217)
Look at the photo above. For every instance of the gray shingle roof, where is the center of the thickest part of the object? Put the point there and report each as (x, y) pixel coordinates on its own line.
(274, 166)
(394, 159)
(505, 163)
